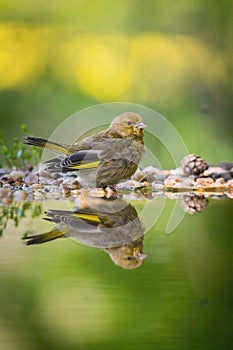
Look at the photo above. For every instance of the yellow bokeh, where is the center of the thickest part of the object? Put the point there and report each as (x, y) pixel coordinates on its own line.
(22, 55)
(98, 65)
(158, 64)
(150, 67)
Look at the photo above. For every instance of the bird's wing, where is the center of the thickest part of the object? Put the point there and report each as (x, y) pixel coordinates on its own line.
(84, 221)
(84, 159)
(103, 151)
(68, 224)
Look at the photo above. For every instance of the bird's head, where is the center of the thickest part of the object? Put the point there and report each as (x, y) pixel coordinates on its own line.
(129, 256)
(128, 124)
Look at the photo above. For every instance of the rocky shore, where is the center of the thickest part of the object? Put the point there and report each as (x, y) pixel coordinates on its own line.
(194, 175)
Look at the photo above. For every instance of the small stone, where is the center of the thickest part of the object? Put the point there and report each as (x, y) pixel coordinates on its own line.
(36, 186)
(6, 200)
(4, 171)
(151, 170)
(172, 195)
(226, 165)
(38, 195)
(220, 180)
(181, 185)
(157, 186)
(230, 194)
(19, 196)
(129, 185)
(229, 183)
(177, 172)
(96, 192)
(216, 185)
(213, 170)
(6, 185)
(205, 182)
(31, 179)
(16, 174)
(226, 176)
(5, 192)
(170, 183)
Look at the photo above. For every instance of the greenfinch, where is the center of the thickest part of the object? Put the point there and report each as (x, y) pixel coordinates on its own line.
(103, 159)
(112, 225)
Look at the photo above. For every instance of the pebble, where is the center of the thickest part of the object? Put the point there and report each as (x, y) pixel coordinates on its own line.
(38, 195)
(151, 170)
(229, 183)
(170, 183)
(157, 186)
(220, 180)
(205, 182)
(39, 184)
(31, 179)
(130, 185)
(178, 172)
(172, 195)
(230, 194)
(17, 174)
(226, 165)
(19, 196)
(7, 186)
(213, 170)
(5, 192)
(6, 200)
(36, 186)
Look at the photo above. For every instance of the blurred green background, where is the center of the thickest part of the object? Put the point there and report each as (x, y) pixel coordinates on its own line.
(57, 57)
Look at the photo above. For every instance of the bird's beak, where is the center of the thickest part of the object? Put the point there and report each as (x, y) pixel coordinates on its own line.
(141, 126)
(141, 256)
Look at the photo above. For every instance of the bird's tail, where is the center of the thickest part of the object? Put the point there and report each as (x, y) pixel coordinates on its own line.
(44, 237)
(42, 143)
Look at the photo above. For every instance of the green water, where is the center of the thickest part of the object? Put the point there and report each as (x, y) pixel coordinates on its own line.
(65, 295)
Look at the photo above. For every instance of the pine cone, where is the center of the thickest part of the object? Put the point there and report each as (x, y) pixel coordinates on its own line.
(194, 204)
(193, 165)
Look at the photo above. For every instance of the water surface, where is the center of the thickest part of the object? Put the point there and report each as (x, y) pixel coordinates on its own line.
(66, 295)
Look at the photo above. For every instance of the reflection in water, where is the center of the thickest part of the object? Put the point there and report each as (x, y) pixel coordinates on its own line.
(194, 203)
(109, 224)
(16, 211)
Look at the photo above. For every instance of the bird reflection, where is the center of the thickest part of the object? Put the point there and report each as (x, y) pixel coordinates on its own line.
(112, 225)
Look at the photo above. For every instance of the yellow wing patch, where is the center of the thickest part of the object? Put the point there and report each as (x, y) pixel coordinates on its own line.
(89, 165)
(89, 217)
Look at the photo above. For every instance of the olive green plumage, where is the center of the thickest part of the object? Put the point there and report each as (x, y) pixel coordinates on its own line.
(103, 159)
(112, 225)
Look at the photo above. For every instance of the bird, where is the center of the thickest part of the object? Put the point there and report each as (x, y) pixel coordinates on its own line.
(103, 159)
(109, 224)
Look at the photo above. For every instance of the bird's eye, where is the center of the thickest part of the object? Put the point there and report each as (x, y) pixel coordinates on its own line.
(129, 123)
(129, 257)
